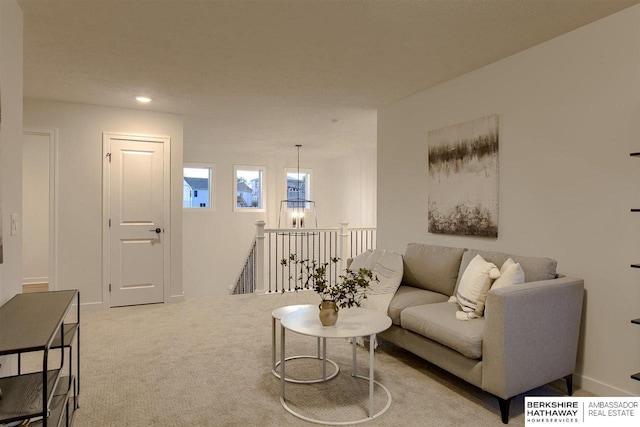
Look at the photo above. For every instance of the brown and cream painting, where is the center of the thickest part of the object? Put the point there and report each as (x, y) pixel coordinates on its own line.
(463, 178)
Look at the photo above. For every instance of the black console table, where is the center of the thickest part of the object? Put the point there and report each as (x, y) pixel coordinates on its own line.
(37, 322)
(635, 321)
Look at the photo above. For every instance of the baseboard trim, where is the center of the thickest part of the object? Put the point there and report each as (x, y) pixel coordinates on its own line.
(34, 280)
(92, 306)
(176, 298)
(599, 388)
(28, 288)
(95, 306)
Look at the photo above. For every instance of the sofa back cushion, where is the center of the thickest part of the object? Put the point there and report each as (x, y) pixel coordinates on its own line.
(534, 268)
(434, 268)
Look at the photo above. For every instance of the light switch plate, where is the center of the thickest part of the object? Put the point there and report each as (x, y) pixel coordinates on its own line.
(14, 224)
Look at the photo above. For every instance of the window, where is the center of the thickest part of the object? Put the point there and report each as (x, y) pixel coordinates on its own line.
(197, 184)
(298, 187)
(248, 189)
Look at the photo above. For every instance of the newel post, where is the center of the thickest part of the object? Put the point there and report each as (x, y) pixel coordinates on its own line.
(343, 249)
(260, 256)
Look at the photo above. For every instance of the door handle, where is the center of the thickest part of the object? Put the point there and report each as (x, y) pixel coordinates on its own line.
(157, 230)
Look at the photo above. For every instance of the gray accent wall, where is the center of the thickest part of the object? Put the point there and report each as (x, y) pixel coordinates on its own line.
(569, 117)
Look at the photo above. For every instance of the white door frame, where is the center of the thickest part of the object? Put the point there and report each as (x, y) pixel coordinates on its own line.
(106, 208)
(52, 134)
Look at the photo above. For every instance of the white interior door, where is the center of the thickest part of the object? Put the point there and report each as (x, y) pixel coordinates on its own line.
(137, 220)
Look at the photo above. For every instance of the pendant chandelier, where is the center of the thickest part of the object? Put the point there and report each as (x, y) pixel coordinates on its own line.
(297, 211)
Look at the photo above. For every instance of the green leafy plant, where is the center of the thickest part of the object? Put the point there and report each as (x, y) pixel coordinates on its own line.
(348, 291)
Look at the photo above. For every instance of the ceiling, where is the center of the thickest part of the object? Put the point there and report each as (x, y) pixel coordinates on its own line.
(273, 73)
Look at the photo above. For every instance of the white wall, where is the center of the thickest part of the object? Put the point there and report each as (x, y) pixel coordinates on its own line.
(217, 243)
(35, 208)
(355, 174)
(10, 155)
(79, 174)
(10, 145)
(569, 117)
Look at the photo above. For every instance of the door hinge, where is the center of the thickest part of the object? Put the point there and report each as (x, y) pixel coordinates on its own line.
(109, 222)
(109, 156)
(109, 287)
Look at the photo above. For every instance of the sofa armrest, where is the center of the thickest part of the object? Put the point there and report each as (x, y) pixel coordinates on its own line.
(531, 335)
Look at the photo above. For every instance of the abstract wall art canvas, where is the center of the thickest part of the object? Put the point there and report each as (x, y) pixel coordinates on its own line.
(463, 178)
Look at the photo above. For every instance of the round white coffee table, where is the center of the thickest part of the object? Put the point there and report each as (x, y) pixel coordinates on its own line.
(352, 323)
(277, 315)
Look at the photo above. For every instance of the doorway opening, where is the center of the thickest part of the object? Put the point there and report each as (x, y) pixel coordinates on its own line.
(39, 191)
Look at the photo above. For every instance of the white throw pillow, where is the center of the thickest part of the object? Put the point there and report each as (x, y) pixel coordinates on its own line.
(510, 274)
(359, 261)
(388, 269)
(367, 259)
(475, 284)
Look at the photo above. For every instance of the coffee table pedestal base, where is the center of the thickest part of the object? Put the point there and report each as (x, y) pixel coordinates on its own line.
(343, 423)
(319, 380)
(353, 323)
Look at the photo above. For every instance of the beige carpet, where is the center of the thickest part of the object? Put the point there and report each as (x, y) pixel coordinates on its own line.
(207, 362)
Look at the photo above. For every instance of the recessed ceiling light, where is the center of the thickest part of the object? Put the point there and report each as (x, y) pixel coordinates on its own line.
(143, 99)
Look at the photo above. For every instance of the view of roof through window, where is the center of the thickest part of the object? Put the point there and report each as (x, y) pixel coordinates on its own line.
(196, 187)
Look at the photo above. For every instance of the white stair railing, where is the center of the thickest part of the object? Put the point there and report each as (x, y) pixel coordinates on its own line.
(361, 239)
(247, 281)
(264, 272)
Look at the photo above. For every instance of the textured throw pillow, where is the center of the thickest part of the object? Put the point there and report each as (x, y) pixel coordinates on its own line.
(475, 284)
(359, 261)
(366, 260)
(510, 274)
(388, 268)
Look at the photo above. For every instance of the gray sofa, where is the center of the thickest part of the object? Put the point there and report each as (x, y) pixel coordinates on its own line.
(528, 336)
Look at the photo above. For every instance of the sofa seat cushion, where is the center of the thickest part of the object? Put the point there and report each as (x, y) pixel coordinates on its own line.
(434, 268)
(438, 322)
(408, 296)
